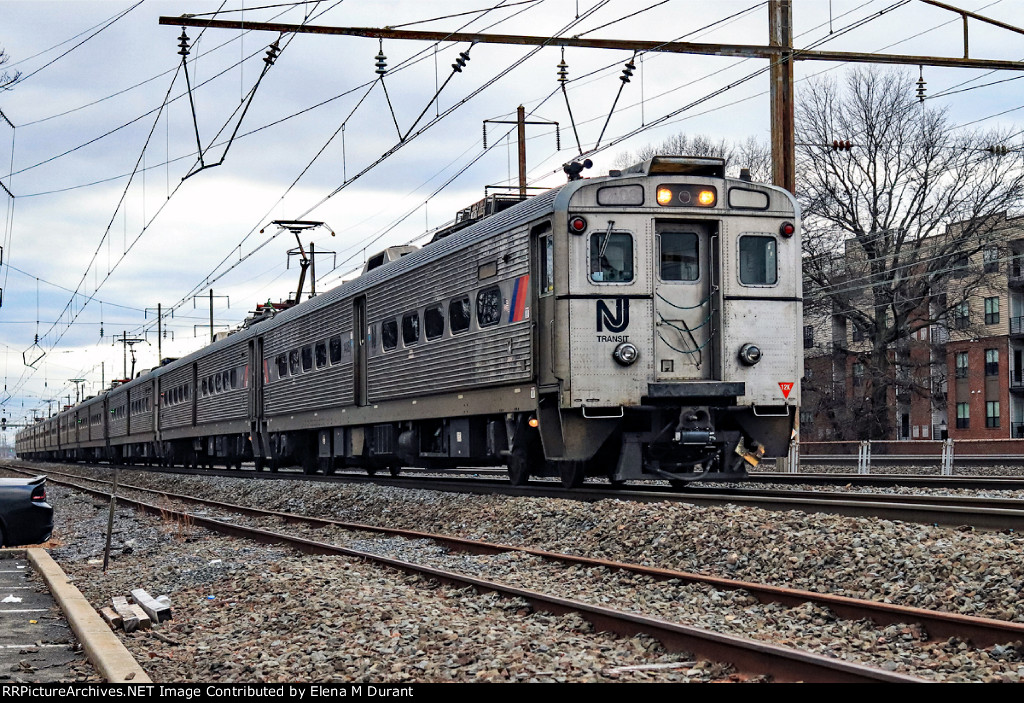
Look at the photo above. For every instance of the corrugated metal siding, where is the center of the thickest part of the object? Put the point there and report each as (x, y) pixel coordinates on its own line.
(142, 420)
(226, 404)
(476, 358)
(177, 414)
(317, 388)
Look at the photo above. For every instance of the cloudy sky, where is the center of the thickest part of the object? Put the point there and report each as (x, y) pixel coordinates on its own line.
(102, 227)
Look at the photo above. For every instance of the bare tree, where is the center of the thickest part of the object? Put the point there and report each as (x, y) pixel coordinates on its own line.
(679, 145)
(893, 224)
(7, 80)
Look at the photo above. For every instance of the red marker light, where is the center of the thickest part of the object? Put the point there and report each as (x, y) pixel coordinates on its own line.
(577, 225)
(787, 229)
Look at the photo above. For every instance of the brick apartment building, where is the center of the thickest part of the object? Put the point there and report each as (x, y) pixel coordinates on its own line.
(962, 377)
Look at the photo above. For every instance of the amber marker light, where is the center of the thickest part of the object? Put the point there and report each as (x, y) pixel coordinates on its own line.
(664, 196)
(533, 422)
(706, 198)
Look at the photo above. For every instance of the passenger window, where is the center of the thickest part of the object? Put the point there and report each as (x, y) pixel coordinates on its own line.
(433, 322)
(234, 378)
(411, 328)
(758, 261)
(204, 392)
(282, 365)
(217, 384)
(389, 335)
(321, 354)
(458, 315)
(679, 256)
(611, 257)
(307, 358)
(293, 361)
(488, 306)
(335, 347)
(547, 264)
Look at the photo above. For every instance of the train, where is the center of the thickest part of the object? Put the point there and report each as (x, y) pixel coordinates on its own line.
(642, 325)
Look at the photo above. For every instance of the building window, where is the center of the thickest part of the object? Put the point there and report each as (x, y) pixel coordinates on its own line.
(858, 334)
(992, 413)
(962, 316)
(991, 257)
(808, 336)
(992, 311)
(858, 374)
(806, 418)
(991, 362)
(961, 364)
(963, 416)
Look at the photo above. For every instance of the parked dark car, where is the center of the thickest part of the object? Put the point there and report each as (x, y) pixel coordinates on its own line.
(25, 516)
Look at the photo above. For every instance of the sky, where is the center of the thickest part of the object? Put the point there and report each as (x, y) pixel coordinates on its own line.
(104, 226)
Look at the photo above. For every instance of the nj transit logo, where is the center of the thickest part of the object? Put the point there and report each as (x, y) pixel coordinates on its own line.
(616, 322)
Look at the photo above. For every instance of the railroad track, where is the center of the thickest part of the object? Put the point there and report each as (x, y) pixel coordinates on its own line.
(997, 514)
(751, 656)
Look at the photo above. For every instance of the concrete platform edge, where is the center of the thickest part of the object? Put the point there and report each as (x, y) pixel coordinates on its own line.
(111, 659)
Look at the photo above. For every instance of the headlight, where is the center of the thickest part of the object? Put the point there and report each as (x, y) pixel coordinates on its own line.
(750, 354)
(626, 354)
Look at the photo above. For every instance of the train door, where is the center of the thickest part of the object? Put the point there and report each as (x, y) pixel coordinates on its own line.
(684, 295)
(359, 349)
(544, 305)
(255, 380)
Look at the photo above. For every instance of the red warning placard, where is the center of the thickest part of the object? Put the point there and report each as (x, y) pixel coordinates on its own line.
(787, 388)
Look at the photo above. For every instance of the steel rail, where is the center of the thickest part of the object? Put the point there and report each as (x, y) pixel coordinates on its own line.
(934, 512)
(750, 657)
(982, 632)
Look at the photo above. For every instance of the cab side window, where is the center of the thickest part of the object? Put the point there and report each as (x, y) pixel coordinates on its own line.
(758, 260)
(611, 257)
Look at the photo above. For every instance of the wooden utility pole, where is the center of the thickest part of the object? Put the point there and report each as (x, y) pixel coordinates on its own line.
(779, 50)
(520, 124)
(780, 34)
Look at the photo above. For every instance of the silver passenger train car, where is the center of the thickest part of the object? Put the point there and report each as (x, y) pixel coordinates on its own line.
(643, 325)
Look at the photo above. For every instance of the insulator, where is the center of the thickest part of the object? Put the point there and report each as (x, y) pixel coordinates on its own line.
(998, 150)
(272, 52)
(183, 43)
(460, 61)
(627, 71)
(920, 86)
(563, 71)
(382, 63)
(485, 135)
(558, 139)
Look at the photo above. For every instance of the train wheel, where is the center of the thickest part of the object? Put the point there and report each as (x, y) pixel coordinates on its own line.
(525, 454)
(395, 470)
(259, 463)
(572, 473)
(679, 485)
(518, 468)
